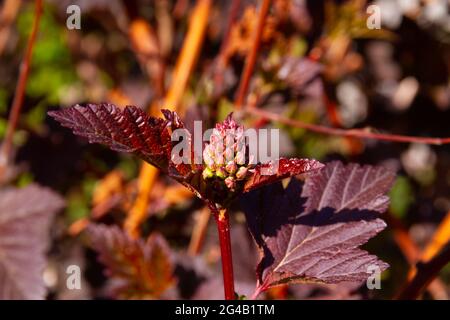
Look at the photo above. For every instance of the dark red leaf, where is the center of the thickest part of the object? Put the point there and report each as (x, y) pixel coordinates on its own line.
(25, 218)
(311, 232)
(277, 170)
(127, 130)
(137, 269)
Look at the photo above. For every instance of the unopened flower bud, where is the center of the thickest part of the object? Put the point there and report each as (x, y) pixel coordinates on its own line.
(207, 157)
(240, 157)
(221, 173)
(215, 136)
(229, 140)
(241, 173)
(207, 173)
(231, 167)
(251, 159)
(229, 154)
(230, 183)
(219, 154)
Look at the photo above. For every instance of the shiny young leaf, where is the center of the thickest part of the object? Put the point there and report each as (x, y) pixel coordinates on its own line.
(311, 232)
(128, 130)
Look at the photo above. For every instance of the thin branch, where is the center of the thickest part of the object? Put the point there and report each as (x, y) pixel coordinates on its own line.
(407, 246)
(189, 53)
(147, 49)
(426, 272)
(250, 60)
(222, 58)
(234, 9)
(440, 237)
(5, 151)
(7, 17)
(199, 232)
(139, 211)
(411, 252)
(184, 66)
(365, 133)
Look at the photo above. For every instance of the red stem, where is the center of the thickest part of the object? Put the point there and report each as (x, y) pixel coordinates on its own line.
(365, 133)
(223, 226)
(222, 58)
(5, 151)
(250, 60)
(234, 8)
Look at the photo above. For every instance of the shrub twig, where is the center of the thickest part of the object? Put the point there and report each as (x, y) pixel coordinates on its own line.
(365, 133)
(250, 60)
(5, 151)
(426, 272)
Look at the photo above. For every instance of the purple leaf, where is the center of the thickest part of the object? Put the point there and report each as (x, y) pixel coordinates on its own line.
(277, 170)
(25, 218)
(311, 232)
(137, 269)
(128, 130)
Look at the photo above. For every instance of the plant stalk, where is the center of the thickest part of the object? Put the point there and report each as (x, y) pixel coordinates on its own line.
(426, 272)
(252, 55)
(223, 227)
(5, 150)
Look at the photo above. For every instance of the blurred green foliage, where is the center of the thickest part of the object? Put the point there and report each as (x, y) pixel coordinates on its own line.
(3, 109)
(52, 67)
(402, 196)
(78, 201)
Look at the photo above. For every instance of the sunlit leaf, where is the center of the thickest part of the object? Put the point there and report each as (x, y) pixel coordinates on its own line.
(311, 232)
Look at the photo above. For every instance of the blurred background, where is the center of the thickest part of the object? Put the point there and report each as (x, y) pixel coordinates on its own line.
(320, 62)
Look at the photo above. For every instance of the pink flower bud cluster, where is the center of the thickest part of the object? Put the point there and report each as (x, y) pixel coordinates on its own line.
(224, 156)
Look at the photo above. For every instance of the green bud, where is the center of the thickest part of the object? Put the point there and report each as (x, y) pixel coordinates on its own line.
(221, 173)
(207, 173)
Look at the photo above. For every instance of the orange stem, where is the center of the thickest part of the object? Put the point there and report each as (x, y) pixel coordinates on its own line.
(184, 66)
(426, 272)
(412, 253)
(199, 232)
